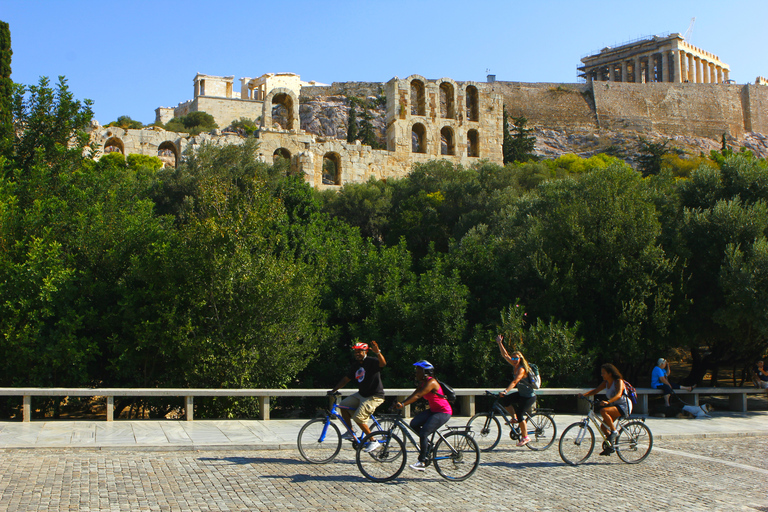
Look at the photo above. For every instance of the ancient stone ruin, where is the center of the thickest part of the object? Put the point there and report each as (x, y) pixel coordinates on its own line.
(658, 87)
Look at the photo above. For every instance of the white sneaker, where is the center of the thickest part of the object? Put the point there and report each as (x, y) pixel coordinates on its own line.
(370, 446)
(348, 436)
(419, 466)
(524, 441)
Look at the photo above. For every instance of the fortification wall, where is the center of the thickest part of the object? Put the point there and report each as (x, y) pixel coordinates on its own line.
(226, 110)
(698, 110)
(756, 99)
(548, 105)
(356, 89)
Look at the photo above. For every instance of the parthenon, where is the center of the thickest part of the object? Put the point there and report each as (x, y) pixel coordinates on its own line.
(655, 59)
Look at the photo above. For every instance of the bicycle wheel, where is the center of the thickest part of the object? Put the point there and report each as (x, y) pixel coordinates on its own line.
(577, 443)
(634, 442)
(386, 461)
(542, 431)
(319, 441)
(487, 430)
(457, 456)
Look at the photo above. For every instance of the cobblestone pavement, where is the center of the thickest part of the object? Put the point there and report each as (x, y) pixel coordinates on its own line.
(692, 474)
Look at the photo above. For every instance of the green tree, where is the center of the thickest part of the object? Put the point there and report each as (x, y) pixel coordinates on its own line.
(6, 90)
(518, 145)
(650, 156)
(352, 122)
(246, 125)
(721, 221)
(126, 123)
(192, 123)
(50, 126)
(367, 132)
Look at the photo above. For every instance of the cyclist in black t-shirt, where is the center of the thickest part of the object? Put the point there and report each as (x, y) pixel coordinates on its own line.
(370, 390)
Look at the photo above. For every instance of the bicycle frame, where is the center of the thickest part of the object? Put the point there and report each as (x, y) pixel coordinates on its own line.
(407, 430)
(498, 410)
(333, 412)
(598, 423)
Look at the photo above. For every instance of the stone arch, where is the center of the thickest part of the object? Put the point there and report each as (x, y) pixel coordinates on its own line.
(447, 141)
(472, 100)
(473, 143)
(447, 98)
(418, 96)
(331, 169)
(418, 138)
(281, 153)
(114, 144)
(168, 153)
(286, 103)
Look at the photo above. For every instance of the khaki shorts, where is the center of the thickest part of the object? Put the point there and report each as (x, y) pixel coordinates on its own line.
(364, 406)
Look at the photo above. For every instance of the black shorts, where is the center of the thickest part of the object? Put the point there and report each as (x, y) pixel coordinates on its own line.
(521, 404)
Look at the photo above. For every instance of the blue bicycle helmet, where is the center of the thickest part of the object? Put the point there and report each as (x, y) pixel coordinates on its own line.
(426, 365)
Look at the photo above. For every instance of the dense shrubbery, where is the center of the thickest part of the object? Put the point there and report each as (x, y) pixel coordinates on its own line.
(192, 123)
(226, 272)
(126, 123)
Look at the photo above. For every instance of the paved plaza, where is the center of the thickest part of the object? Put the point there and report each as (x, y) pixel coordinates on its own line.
(714, 464)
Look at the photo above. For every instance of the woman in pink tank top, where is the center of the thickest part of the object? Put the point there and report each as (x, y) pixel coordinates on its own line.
(438, 414)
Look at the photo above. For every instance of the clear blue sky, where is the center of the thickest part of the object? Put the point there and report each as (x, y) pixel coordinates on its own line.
(132, 57)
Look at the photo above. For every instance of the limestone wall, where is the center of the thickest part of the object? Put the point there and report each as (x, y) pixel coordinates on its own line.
(226, 110)
(698, 110)
(356, 89)
(757, 107)
(558, 106)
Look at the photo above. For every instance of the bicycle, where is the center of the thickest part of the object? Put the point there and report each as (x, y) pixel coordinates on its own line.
(633, 444)
(455, 453)
(541, 427)
(319, 440)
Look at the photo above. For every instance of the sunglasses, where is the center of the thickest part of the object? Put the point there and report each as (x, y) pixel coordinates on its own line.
(515, 358)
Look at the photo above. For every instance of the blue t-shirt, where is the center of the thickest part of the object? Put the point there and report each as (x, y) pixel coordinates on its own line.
(658, 371)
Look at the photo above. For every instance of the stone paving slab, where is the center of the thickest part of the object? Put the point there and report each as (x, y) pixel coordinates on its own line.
(282, 434)
(691, 474)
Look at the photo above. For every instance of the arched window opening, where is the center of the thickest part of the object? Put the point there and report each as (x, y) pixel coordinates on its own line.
(282, 111)
(473, 104)
(418, 98)
(473, 143)
(114, 144)
(418, 138)
(447, 142)
(282, 158)
(281, 153)
(331, 169)
(167, 153)
(447, 101)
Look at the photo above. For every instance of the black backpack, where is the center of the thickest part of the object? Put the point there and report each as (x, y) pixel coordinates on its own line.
(448, 392)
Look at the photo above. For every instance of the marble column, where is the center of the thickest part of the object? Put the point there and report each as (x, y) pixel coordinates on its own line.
(664, 75)
(712, 73)
(636, 69)
(677, 62)
(691, 75)
(719, 74)
(624, 71)
(698, 79)
(726, 74)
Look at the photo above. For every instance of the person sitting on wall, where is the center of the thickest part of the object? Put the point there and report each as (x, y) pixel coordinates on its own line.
(760, 376)
(660, 380)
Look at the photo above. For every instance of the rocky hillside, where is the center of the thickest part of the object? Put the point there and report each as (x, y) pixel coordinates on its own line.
(327, 116)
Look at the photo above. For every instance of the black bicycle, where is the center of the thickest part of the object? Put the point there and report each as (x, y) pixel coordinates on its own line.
(454, 453)
(541, 427)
